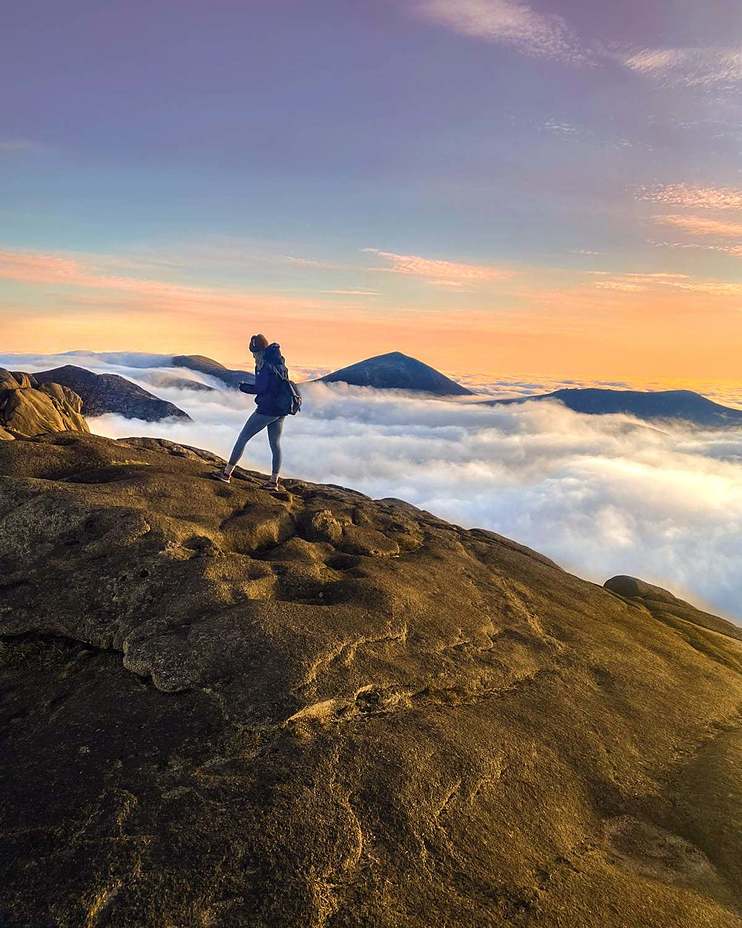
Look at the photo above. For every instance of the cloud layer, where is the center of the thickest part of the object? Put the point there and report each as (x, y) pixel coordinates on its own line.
(549, 35)
(601, 495)
(694, 196)
(438, 271)
(702, 225)
(689, 67)
(509, 22)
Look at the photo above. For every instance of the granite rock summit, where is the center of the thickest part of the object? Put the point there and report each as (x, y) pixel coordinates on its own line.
(222, 707)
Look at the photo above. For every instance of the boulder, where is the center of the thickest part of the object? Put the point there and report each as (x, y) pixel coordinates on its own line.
(665, 606)
(30, 408)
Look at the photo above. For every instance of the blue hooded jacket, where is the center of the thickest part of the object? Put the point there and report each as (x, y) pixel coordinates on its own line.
(269, 387)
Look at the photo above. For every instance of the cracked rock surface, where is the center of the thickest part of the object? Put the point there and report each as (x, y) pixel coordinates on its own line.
(225, 707)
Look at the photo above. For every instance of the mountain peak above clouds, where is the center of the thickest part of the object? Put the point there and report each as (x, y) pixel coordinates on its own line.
(397, 371)
(649, 405)
(203, 365)
(111, 393)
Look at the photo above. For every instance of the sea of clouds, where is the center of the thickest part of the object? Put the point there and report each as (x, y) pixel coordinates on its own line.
(599, 494)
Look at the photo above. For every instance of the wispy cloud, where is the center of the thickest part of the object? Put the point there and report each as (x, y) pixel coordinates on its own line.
(734, 250)
(646, 283)
(689, 67)
(559, 127)
(305, 262)
(351, 292)
(637, 283)
(92, 275)
(653, 61)
(508, 22)
(14, 145)
(548, 35)
(439, 272)
(225, 253)
(688, 195)
(701, 225)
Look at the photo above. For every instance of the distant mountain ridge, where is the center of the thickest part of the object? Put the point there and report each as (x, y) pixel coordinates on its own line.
(184, 383)
(683, 405)
(111, 393)
(202, 364)
(391, 371)
(397, 371)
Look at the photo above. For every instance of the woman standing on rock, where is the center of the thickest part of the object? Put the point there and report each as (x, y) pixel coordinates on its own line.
(276, 397)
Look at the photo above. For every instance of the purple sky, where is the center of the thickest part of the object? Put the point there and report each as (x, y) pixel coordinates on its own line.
(350, 160)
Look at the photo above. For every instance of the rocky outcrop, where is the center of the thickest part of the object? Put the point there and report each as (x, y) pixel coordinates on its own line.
(224, 707)
(668, 608)
(110, 393)
(28, 407)
(397, 371)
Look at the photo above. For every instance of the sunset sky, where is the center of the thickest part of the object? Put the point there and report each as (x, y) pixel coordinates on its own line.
(551, 187)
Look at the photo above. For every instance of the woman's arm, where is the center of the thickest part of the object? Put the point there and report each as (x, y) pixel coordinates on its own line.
(262, 380)
(248, 387)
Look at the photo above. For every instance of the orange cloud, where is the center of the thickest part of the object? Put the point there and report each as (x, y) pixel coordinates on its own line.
(642, 283)
(604, 324)
(138, 293)
(734, 250)
(686, 195)
(701, 225)
(650, 61)
(438, 271)
(692, 67)
(352, 292)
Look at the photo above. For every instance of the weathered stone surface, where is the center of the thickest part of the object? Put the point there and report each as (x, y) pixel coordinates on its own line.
(16, 380)
(321, 525)
(210, 718)
(30, 408)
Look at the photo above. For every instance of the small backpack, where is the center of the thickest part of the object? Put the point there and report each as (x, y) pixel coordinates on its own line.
(291, 395)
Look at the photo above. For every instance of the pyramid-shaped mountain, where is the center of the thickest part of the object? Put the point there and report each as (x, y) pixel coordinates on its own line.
(397, 371)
